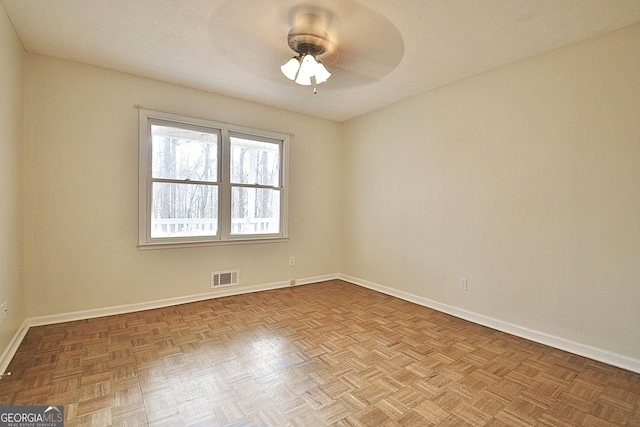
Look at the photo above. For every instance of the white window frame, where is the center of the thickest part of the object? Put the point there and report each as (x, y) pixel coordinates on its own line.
(224, 236)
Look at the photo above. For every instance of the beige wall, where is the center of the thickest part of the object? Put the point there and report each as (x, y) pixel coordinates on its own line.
(82, 199)
(525, 180)
(11, 118)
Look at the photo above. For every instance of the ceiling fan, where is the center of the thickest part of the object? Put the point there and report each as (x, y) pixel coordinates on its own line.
(309, 40)
(343, 39)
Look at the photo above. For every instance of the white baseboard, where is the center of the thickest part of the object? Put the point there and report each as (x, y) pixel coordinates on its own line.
(150, 305)
(608, 357)
(11, 349)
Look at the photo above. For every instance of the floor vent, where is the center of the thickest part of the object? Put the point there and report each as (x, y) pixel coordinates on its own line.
(225, 278)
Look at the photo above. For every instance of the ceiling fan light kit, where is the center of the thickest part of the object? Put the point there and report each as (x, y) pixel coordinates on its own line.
(310, 43)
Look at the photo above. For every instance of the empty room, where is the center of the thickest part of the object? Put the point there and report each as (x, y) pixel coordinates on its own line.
(309, 213)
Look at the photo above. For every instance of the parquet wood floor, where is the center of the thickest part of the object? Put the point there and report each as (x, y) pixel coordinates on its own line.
(324, 354)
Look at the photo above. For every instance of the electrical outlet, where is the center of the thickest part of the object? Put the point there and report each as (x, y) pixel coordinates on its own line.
(4, 312)
(292, 261)
(463, 283)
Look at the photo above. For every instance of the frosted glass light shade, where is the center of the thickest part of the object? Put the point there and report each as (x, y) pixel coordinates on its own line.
(321, 73)
(307, 70)
(290, 69)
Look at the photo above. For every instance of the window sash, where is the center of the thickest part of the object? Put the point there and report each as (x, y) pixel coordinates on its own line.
(205, 222)
(186, 150)
(260, 224)
(256, 144)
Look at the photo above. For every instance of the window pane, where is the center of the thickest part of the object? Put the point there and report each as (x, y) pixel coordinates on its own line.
(255, 162)
(181, 210)
(184, 154)
(255, 210)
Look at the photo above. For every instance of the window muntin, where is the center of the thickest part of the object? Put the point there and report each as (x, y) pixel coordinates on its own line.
(203, 182)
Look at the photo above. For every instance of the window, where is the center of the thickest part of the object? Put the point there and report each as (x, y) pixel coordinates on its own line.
(204, 183)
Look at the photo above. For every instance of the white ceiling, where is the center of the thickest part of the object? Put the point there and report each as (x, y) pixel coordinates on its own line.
(388, 50)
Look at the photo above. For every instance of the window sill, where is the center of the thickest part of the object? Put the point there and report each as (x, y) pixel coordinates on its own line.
(195, 244)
